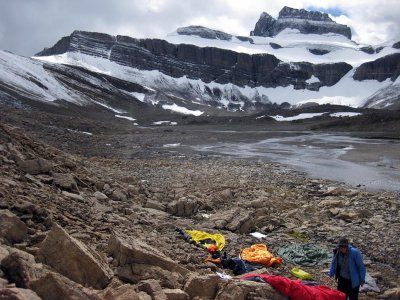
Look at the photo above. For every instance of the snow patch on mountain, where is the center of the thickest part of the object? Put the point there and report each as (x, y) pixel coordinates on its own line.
(298, 117)
(312, 115)
(182, 110)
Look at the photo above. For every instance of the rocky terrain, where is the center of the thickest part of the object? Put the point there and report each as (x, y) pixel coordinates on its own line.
(95, 218)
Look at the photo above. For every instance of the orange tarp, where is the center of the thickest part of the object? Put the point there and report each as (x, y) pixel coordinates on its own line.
(259, 254)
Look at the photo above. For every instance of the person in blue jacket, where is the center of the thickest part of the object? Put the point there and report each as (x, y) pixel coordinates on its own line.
(348, 268)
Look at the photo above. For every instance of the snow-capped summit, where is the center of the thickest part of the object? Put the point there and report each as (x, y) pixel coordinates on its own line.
(308, 22)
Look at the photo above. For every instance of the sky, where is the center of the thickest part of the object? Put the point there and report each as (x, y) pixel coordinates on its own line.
(28, 26)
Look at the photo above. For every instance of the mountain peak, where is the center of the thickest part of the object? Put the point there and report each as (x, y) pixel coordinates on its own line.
(307, 22)
(289, 12)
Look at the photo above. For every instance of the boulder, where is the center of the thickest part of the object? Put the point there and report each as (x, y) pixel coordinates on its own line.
(155, 205)
(123, 292)
(392, 294)
(242, 223)
(135, 273)
(144, 296)
(226, 195)
(235, 220)
(65, 182)
(100, 196)
(3, 282)
(130, 251)
(347, 216)
(204, 287)
(118, 196)
(331, 203)
(3, 253)
(150, 286)
(18, 294)
(339, 191)
(11, 227)
(183, 207)
(73, 196)
(21, 268)
(34, 212)
(176, 294)
(54, 286)
(35, 166)
(74, 259)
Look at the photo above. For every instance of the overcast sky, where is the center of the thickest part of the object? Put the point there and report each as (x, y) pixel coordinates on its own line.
(27, 26)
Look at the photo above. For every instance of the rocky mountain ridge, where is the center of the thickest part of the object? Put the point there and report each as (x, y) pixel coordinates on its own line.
(207, 64)
(188, 56)
(307, 22)
(200, 71)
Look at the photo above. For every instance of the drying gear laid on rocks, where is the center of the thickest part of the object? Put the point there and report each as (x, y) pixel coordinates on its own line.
(238, 266)
(203, 238)
(259, 254)
(295, 289)
(369, 285)
(299, 273)
(306, 255)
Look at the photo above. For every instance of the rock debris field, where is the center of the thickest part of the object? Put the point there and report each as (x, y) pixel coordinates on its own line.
(75, 227)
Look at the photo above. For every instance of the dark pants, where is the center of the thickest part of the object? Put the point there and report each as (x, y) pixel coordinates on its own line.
(344, 285)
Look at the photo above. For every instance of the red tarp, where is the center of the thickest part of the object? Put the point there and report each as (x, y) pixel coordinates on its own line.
(296, 290)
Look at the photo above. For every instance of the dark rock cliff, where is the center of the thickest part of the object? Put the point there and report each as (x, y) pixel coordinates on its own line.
(380, 69)
(305, 21)
(208, 63)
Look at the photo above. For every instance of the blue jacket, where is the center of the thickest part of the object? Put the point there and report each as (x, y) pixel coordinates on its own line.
(356, 266)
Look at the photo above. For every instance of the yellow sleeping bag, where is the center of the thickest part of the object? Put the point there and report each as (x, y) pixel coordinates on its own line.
(201, 237)
(259, 254)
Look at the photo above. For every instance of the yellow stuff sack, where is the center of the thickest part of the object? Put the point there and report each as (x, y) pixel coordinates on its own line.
(299, 273)
(200, 236)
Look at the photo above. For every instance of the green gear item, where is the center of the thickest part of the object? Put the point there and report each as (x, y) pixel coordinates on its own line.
(304, 254)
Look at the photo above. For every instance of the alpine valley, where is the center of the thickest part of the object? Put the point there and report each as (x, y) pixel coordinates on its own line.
(113, 150)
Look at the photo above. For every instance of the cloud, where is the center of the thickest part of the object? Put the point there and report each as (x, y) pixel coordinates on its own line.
(27, 26)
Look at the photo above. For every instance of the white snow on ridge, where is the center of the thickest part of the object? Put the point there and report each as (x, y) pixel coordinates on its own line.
(346, 92)
(182, 110)
(294, 45)
(139, 96)
(22, 73)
